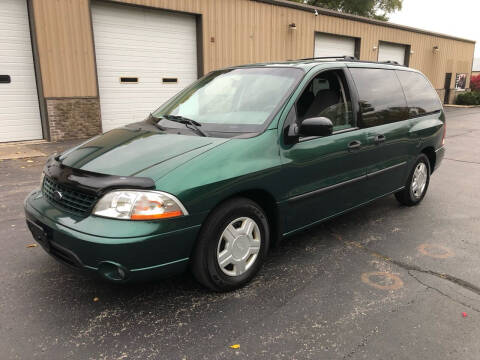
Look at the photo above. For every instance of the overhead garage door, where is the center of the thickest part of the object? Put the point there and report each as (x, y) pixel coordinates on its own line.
(144, 57)
(391, 52)
(19, 111)
(334, 45)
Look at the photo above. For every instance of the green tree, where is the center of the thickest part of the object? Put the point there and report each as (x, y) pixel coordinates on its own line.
(375, 9)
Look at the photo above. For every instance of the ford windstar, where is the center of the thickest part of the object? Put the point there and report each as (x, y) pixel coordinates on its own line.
(235, 162)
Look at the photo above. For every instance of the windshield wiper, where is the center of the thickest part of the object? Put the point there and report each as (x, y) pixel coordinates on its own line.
(154, 120)
(187, 122)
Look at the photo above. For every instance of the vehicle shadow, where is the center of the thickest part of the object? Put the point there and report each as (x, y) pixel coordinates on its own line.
(82, 309)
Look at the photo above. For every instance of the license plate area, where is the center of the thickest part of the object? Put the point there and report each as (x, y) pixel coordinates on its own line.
(40, 234)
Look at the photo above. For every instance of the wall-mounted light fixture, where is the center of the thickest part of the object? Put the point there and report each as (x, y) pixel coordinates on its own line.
(292, 26)
(375, 48)
(412, 52)
(436, 49)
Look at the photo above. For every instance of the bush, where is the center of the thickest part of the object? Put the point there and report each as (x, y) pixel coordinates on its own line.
(475, 83)
(468, 98)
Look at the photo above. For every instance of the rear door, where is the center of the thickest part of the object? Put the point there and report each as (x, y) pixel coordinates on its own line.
(384, 117)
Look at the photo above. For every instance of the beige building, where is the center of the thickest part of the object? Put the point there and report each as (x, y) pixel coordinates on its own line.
(75, 68)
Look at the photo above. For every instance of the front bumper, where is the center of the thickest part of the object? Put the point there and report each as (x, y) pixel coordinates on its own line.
(118, 250)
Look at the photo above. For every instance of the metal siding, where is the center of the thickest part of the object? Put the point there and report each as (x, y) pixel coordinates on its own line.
(65, 47)
(245, 31)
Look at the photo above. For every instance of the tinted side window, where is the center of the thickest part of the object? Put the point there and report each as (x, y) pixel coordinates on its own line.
(327, 96)
(421, 97)
(381, 97)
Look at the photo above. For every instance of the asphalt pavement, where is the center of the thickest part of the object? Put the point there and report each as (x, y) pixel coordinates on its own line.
(382, 282)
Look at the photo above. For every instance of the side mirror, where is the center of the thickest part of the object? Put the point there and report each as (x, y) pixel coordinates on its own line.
(317, 126)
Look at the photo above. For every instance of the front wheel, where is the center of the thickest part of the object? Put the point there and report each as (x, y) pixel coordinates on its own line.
(232, 245)
(417, 183)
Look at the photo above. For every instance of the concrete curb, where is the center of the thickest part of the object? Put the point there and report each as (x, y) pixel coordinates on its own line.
(33, 149)
(461, 106)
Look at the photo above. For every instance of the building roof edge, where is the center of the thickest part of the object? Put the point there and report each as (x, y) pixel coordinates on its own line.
(327, 12)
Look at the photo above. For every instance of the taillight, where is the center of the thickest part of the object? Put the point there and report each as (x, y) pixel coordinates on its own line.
(444, 132)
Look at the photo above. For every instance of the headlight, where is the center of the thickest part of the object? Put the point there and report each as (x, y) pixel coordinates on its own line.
(139, 205)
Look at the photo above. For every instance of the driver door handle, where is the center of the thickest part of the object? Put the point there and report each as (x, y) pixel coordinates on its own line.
(354, 145)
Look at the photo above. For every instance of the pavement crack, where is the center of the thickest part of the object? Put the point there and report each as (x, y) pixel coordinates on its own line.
(410, 272)
(463, 161)
(453, 279)
(410, 267)
(361, 344)
(466, 132)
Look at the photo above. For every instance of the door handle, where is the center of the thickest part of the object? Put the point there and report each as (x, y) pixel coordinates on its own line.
(380, 139)
(354, 145)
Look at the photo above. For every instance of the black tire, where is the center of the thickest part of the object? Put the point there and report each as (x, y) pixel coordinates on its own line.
(407, 196)
(205, 266)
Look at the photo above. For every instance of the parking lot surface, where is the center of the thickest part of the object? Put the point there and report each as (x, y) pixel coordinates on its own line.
(382, 282)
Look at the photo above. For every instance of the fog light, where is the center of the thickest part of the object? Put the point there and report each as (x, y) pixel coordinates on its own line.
(112, 271)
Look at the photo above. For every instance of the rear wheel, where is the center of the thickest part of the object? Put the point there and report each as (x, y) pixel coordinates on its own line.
(232, 245)
(417, 183)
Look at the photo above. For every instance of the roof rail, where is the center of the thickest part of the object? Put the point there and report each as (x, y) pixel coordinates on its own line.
(390, 62)
(354, 59)
(343, 57)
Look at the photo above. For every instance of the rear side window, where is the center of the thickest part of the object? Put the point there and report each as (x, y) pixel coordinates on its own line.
(380, 95)
(421, 97)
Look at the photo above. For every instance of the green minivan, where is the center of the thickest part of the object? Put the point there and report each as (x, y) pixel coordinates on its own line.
(235, 162)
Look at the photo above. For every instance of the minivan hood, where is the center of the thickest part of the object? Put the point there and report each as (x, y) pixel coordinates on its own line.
(129, 151)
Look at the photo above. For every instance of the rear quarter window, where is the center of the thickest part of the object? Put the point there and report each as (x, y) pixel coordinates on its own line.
(381, 97)
(421, 97)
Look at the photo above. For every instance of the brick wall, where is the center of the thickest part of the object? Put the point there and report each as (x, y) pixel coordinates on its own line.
(73, 118)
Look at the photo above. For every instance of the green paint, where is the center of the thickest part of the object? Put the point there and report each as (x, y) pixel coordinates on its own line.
(307, 181)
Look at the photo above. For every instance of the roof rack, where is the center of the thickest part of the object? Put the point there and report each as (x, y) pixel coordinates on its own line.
(339, 58)
(391, 62)
(354, 59)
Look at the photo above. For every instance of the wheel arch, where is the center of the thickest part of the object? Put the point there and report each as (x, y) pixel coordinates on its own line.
(268, 204)
(431, 155)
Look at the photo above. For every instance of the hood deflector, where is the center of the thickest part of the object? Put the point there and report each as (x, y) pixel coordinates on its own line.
(91, 182)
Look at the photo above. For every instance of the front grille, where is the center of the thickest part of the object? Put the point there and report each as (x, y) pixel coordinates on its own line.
(71, 200)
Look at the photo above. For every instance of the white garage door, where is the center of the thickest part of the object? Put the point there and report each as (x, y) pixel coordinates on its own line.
(391, 52)
(144, 57)
(19, 111)
(333, 45)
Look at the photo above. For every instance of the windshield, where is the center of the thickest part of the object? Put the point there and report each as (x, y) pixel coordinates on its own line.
(234, 100)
